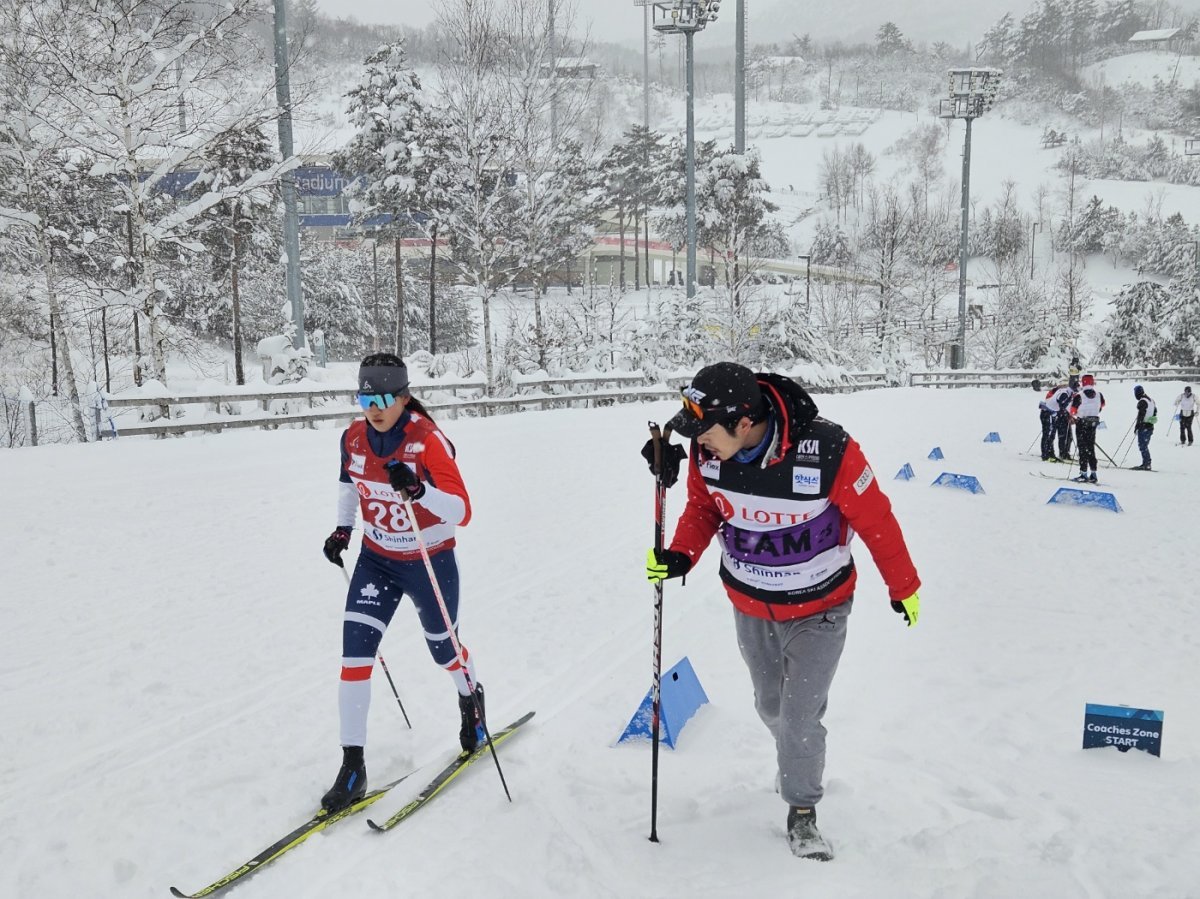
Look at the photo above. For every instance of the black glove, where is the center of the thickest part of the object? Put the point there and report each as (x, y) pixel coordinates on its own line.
(666, 563)
(401, 477)
(335, 545)
(672, 455)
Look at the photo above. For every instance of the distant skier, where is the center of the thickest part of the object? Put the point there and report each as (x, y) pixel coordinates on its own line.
(1186, 402)
(1047, 410)
(784, 492)
(1060, 401)
(1147, 417)
(395, 448)
(1085, 409)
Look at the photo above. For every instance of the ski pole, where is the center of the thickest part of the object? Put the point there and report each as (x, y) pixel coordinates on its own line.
(458, 650)
(660, 507)
(1128, 448)
(379, 655)
(1106, 455)
(1029, 449)
(1122, 442)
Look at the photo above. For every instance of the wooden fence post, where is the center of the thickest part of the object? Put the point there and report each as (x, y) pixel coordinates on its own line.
(32, 423)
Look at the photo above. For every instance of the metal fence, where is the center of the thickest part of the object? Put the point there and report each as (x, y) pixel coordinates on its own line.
(48, 421)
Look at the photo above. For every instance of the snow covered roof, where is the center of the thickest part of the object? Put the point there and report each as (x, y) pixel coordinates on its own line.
(1156, 34)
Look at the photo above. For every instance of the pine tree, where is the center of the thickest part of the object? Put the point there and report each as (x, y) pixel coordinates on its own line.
(245, 226)
(1135, 327)
(383, 157)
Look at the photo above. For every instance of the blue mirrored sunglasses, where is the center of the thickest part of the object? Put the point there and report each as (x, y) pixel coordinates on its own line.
(382, 400)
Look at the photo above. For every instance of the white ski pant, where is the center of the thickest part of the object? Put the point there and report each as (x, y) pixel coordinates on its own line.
(791, 665)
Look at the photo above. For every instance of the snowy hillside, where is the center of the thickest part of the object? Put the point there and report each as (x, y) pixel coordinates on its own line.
(170, 653)
(860, 20)
(1142, 68)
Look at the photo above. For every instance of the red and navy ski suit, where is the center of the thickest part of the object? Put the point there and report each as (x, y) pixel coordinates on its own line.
(390, 566)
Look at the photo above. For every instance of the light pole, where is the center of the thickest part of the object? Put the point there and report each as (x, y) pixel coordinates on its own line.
(739, 79)
(972, 93)
(291, 227)
(1032, 243)
(686, 17)
(1191, 147)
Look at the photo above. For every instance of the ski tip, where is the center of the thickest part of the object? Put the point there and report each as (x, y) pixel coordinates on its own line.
(175, 892)
(376, 827)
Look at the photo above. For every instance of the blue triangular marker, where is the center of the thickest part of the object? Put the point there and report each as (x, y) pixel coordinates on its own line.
(905, 473)
(961, 481)
(936, 453)
(1072, 496)
(682, 695)
(992, 437)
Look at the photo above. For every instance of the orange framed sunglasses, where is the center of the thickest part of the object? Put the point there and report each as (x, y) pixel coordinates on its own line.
(692, 407)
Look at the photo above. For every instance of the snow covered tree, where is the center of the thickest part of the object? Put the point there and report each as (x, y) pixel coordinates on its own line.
(1094, 227)
(999, 41)
(555, 210)
(890, 39)
(384, 156)
(477, 183)
(34, 170)
(132, 63)
(921, 150)
(1136, 333)
(831, 245)
(737, 214)
(245, 226)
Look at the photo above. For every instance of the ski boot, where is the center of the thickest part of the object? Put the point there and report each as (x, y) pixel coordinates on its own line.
(351, 783)
(471, 735)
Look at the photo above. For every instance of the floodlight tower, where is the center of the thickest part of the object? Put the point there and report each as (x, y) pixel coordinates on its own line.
(686, 17)
(972, 93)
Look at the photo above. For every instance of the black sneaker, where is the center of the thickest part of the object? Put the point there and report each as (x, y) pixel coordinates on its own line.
(351, 783)
(471, 733)
(804, 839)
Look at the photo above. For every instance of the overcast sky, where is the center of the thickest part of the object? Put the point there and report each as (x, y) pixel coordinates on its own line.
(611, 20)
(619, 21)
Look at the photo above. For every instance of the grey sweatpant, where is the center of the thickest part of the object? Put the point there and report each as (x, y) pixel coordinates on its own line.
(791, 665)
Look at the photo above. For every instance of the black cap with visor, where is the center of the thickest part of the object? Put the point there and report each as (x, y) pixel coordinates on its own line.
(719, 394)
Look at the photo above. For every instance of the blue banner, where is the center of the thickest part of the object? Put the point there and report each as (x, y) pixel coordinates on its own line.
(1123, 727)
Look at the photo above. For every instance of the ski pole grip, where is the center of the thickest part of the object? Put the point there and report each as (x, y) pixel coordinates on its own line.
(657, 437)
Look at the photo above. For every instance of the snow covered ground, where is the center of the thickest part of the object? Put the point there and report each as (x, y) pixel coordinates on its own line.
(1143, 67)
(169, 663)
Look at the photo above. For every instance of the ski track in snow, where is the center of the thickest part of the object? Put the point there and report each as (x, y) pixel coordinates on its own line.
(169, 660)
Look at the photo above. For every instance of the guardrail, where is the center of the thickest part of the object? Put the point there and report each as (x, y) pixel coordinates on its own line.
(537, 393)
(1024, 378)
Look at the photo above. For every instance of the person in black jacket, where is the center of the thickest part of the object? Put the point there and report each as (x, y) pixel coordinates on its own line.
(1147, 417)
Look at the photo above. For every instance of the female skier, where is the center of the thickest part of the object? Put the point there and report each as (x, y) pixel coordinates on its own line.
(394, 451)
